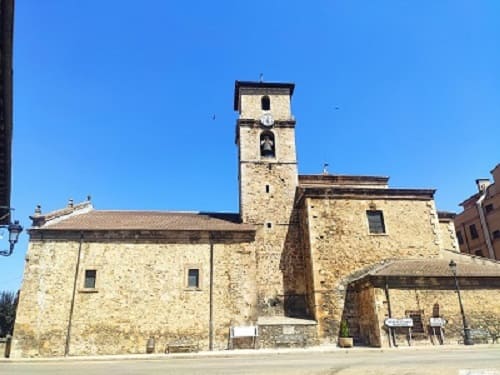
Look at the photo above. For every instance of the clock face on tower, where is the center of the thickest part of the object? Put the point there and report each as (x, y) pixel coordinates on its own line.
(267, 120)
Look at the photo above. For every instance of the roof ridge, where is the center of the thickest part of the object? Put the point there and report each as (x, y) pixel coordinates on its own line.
(473, 257)
(170, 212)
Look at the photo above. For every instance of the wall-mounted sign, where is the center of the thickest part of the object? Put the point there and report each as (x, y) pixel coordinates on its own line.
(437, 322)
(405, 322)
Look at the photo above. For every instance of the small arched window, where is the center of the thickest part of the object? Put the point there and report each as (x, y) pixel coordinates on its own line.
(267, 145)
(265, 103)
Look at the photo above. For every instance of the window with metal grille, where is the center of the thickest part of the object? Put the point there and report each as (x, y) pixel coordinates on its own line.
(193, 278)
(473, 231)
(90, 277)
(375, 221)
(416, 316)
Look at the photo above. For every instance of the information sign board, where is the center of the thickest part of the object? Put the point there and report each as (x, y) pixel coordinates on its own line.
(404, 322)
(437, 322)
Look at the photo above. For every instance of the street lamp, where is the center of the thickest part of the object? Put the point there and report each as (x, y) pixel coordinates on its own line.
(467, 336)
(14, 230)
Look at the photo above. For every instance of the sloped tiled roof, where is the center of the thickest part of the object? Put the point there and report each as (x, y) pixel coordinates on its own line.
(97, 220)
(437, 268)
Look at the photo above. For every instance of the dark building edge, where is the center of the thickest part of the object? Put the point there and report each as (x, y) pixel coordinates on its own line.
(7, 26)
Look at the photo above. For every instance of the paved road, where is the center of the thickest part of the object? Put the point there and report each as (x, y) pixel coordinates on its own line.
(460, 361)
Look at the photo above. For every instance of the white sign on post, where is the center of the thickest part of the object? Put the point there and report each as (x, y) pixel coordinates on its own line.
(405, 322)
(244, 331)
(437, 322)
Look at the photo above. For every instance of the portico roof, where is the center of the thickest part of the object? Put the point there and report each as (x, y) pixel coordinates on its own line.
(437, 268)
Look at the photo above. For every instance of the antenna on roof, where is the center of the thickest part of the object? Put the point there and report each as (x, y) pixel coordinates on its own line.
(325, 168)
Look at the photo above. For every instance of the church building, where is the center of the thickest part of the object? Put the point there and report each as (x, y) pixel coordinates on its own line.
(304, 256)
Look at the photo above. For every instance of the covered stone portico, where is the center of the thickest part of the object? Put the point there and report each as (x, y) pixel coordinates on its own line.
(423, 290)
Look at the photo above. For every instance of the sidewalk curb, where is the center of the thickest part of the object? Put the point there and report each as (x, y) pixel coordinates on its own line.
(242, 353)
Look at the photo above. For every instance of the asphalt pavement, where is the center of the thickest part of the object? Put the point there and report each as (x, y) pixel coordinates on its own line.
(324, 360)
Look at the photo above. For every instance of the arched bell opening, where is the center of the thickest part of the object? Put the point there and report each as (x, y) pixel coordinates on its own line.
(267, 145)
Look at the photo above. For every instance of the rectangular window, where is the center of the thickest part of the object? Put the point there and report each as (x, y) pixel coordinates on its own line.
(496, 234)
(193, 278)
(460, 238)
(90, 277)
(488, 208)
(376, 221)
(416, 316)
(473, 231)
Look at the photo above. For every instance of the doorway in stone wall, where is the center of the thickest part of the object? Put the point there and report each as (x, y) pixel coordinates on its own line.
(296, 306)
(351, 316)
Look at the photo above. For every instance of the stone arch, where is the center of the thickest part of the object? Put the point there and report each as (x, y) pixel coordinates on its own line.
(267, 144)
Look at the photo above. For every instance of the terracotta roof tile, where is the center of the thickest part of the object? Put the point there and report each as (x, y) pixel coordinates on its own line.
(148, 220)
(437, 268)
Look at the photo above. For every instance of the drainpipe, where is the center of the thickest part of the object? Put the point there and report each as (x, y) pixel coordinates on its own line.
(211, 303)
(72, 306)
(484, 225)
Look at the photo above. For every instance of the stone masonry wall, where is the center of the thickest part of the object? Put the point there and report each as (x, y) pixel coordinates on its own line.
(448, 235)
(251, 106)
(43, 310)
(341, 246)
(308, 260)
(141, 292)
(267, 191)
(279, 265)
(260, 206)
(287, 335)
(284, 140)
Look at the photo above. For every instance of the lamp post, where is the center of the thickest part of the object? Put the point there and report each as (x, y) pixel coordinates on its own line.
(467, 336)
(14, 230)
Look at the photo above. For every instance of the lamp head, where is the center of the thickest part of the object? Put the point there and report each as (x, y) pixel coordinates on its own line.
(14, 230)
(453, 266)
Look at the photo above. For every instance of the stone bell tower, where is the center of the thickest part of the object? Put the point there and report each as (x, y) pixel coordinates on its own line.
(265, 136)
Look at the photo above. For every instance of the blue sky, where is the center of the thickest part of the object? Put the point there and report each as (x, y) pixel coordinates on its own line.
(116, 98)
